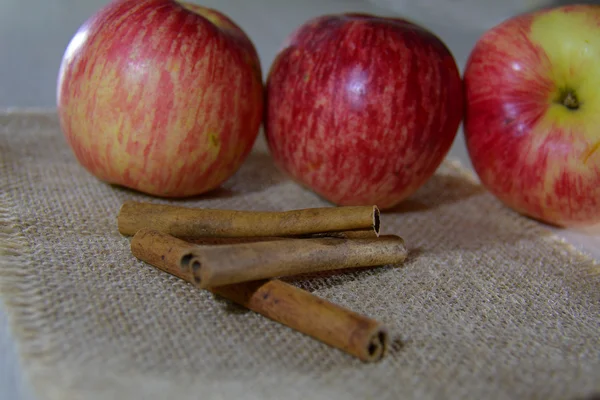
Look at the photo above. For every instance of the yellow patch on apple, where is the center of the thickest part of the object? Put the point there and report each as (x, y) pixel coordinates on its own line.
(573, 52)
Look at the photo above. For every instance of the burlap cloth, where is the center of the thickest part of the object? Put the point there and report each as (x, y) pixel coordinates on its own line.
(488, 306)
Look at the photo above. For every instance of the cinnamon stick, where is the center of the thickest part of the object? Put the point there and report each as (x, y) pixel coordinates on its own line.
(336, 326)
(227, 264)
(189, 223)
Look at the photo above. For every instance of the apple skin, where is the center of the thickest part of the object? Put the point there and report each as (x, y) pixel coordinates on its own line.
(362, 109)
(531, 148)
(161, 97)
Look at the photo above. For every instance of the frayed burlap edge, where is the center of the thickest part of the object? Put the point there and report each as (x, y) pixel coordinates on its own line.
(17, 291)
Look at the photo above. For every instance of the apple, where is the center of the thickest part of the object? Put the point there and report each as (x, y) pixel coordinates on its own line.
(362, 109)
(159, 96)
(532, 113)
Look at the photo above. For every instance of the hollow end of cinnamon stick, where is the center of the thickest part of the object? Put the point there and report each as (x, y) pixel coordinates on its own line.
(185, 261)
(377, 346)
(163, 251)
(190, 264)
(376, 220)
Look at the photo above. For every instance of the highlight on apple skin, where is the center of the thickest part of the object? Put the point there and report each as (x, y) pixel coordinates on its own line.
(162, 97)
(532, 115)
(362, 109)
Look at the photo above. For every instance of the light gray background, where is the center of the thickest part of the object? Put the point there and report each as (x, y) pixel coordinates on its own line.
(34, 34)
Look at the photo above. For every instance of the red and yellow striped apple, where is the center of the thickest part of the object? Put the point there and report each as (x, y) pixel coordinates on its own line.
(532, 117)
(161, 97)
(362, 109)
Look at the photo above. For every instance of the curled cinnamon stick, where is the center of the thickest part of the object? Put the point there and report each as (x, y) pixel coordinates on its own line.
(293, 307)
(189, 223)
(227, 264)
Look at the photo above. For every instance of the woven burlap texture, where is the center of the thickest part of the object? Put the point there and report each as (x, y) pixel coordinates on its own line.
(489, 305)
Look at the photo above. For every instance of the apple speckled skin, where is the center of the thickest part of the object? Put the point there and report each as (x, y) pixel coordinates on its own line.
(162, 97)
(532, 117)
(362, 109)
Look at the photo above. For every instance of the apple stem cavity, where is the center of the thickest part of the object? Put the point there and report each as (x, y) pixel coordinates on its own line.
(568, 99)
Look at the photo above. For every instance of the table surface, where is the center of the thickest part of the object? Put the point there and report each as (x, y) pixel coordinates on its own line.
(34, 34)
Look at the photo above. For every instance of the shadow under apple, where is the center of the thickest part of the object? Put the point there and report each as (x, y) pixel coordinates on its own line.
(257, 173)
(439, 190)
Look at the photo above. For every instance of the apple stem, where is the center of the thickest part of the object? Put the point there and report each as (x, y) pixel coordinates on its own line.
(569, 100)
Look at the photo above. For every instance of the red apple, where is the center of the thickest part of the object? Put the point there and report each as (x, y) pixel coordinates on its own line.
(532, 118)
(362, 109)
(159, 96)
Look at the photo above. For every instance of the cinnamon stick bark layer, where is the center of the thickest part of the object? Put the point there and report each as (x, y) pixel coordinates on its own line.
(189, 223)
(227, 264)
(298, 309)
